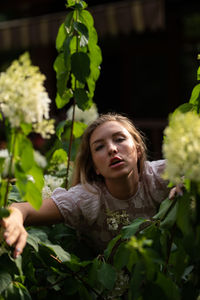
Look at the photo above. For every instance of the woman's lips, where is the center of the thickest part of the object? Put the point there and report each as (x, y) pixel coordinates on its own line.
(115, 162)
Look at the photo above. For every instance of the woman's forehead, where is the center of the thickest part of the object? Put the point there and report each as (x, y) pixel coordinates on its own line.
(108, 128)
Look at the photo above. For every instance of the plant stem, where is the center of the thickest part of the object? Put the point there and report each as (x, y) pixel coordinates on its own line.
(70, 144)
(73, 119)
(12, 149)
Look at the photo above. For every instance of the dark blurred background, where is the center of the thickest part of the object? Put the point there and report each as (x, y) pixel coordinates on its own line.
(149, 50)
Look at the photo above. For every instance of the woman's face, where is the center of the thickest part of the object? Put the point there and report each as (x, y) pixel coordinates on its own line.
(114, 151)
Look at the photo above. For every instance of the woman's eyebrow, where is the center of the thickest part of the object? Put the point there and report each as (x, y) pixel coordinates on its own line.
(113, 135)
(97, 141)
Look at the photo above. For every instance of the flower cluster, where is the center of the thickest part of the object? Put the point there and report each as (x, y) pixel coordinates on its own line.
(86, 116)
(23, 98)
(40, 159)
(117, 218)
(181, 147)
(4, 154)
(50, 184)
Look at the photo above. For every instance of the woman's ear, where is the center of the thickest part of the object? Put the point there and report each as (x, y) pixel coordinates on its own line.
(97, 171)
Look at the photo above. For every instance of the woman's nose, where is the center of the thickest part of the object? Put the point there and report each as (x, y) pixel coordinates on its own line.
(112, 148)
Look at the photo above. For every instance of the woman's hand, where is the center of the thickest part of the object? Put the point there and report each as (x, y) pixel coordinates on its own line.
(14, 231)
(23, 213)
(176, 191)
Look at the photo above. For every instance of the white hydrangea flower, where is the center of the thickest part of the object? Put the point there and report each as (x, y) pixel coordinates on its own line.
(23, 98)
(181, 147)
(50, 184)
(117, 218)
(4, 154)
(46, 192)
(40, 159)
(86, 116)
(52, 181)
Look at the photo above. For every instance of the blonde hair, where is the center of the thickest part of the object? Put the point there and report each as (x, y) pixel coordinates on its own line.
(84, 171)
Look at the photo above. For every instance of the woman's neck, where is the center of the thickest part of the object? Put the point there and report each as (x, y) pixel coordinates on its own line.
(123, 188)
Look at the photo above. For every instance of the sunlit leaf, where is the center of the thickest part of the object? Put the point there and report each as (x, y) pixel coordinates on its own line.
(79, 129)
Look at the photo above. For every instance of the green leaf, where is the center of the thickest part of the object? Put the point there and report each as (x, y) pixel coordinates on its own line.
(33, 241)
(86, 18)
(82, 100)
(121, 256)
(198, 73)
(17, 291)
(107, 276)
(3, 191)
(70, 3)
(168, 286)
(67, 52)
(184, 108)
(18, 263)
(111, 245)
(184, 210)
(59, 156)
(59, 252)
(14, 194)
(62, 75)
(71, 286)
(80, 65)
(1, 117)
(129, 230)
(79, 129)
(37, 175)
(137, 277)
(82, 29)
(21, 179)
(164, 207)
(60, 128)
(27, 158)
(33, 195)
(61, 36)
(5, 280)
(170, 219)
(195, 97)
(26, 128)
(84, 293)
(4, 212)
(62, 101)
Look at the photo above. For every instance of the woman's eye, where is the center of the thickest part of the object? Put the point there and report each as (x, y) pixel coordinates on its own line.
(99, 147)
(120, 139)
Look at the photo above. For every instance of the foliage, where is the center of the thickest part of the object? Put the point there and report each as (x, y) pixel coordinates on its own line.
(149, 259)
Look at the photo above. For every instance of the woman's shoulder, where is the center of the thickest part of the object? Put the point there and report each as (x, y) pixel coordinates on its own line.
(155, 168)
(77, 192)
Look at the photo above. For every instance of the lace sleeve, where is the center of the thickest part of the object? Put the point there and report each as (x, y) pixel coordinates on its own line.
(154, 184)
(77, 205)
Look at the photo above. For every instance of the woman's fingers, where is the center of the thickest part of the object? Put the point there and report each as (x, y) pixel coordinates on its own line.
(176, 191)
(15, 235)
(20, 244)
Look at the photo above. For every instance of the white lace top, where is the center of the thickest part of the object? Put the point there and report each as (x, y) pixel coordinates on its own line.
(95, 213)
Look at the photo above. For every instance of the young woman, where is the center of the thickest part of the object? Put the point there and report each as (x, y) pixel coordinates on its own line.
(113, 184)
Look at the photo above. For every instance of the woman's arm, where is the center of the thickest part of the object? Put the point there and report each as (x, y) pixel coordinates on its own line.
(24, 214)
